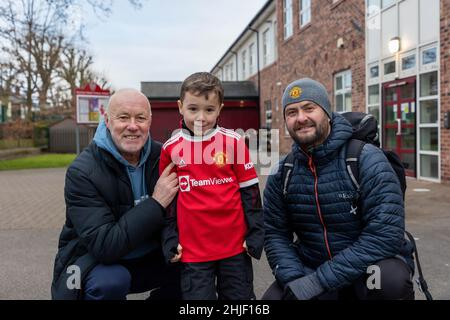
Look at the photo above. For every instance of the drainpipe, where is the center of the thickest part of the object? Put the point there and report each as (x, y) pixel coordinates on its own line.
(257, 57)
(259, 75)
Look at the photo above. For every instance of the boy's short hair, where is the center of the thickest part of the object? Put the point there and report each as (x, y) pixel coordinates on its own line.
(202, 83)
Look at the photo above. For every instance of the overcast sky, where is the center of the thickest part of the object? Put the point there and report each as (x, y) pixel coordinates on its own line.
(166, 40)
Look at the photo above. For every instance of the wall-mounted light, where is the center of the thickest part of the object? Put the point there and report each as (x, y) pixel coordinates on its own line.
(394, 45)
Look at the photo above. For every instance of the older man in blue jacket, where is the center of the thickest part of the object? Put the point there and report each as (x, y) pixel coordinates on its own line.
(110, 243)
(336, 251)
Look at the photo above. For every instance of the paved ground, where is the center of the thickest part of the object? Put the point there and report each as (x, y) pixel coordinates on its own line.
(32, 214)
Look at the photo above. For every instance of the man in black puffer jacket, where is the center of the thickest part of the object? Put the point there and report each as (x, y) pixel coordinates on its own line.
(115, 204)
(337, 247)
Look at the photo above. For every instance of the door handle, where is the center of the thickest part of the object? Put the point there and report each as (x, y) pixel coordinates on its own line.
(399, 127)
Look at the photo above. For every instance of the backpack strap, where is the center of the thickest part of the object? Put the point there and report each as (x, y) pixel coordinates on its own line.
(288, 166)
(423, 286)
(354, 149)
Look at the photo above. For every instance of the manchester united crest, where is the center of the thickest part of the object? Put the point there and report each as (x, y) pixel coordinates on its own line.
(220, 159)
(295, 92)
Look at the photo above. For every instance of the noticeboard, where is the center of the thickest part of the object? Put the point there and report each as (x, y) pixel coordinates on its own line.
(92, 102)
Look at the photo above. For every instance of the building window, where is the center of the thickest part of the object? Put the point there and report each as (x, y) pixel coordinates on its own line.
(429, 126)
(389, 68)
(429, 84)
(374, 71)
(244, 64)
(373, 7)
(409, 62)
(387, 3)
(287, 12)
(225, 76)
(251, 52)
(305, 12)
(265, 48)
(231, 71)
(429, 58)
(343, 91)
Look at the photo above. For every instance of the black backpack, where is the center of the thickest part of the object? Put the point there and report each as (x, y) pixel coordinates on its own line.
(365, 130)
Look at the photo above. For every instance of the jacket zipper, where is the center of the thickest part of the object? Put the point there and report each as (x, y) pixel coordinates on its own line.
(319, 212)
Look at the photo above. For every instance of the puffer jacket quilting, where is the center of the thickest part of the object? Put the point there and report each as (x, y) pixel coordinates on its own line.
(325, 224)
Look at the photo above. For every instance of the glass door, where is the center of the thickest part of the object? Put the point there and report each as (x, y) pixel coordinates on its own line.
(399, 121)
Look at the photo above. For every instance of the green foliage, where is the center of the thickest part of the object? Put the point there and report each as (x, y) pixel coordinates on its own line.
(36, 162)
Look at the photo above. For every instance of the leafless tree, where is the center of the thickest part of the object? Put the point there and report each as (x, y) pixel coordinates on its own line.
(40, 47)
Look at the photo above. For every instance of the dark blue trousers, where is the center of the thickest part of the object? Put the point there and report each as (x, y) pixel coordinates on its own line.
(149, 273)
(396, 284)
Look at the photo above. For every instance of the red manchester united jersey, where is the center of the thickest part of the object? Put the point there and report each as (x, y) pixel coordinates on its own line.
(211, 169)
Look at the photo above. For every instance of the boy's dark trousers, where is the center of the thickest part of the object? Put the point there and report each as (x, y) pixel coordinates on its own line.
(234, 278)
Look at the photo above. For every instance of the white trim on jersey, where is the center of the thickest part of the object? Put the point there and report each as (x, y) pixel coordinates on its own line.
(207, 137)
(230, 133)
(248, 183)
(172, 140)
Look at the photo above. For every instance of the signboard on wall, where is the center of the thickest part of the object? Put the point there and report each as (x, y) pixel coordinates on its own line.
(92, 102)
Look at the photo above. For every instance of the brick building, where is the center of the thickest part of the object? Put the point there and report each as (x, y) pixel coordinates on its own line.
(385, 57)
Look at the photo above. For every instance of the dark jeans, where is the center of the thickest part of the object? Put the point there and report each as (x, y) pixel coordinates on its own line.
(149, 273)
(395, 284)
(234, 277)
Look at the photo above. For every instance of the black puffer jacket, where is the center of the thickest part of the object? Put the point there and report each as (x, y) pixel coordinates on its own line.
(102, 224)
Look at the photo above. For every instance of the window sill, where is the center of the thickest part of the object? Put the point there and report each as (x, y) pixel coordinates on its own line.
(304, 28)
(285, 41)
(337, 3)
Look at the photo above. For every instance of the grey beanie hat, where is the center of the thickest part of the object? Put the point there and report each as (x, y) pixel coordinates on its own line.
(307, 90)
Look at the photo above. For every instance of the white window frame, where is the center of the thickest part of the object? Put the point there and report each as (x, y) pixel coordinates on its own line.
(373, 10)
(420, 126)
(373, 80)
(304, 12)
(231, 71)
(373, 105)
(425, 68)
(244, 64)
(287, 19)
(344, 90)
(251, 56)
(390, 76)
(266, 47)
(411, 71)
(383, 7)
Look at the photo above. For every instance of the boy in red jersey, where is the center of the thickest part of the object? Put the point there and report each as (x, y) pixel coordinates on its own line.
(215, 224)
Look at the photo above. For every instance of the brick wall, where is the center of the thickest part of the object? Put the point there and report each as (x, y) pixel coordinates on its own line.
(445, 89)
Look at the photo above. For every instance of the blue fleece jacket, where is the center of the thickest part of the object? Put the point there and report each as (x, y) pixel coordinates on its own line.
(136, 175)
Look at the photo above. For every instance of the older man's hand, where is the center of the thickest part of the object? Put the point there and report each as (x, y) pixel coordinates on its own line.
(166, 188)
